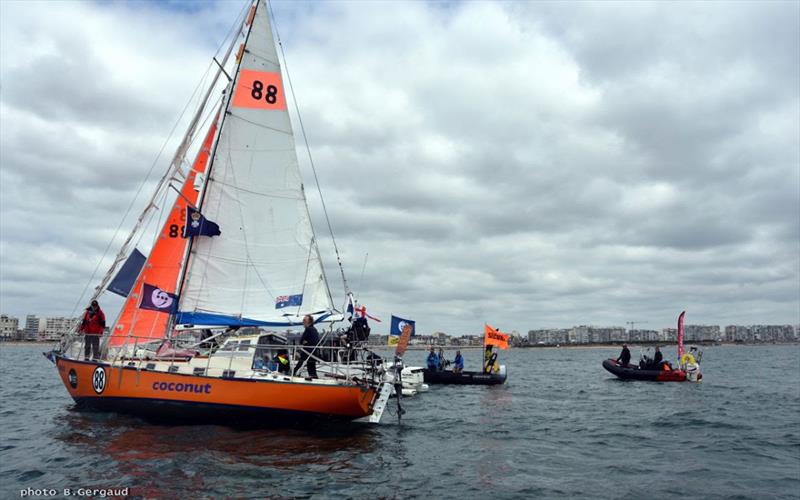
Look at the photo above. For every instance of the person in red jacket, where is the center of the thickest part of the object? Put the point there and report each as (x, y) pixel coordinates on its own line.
(92, 326)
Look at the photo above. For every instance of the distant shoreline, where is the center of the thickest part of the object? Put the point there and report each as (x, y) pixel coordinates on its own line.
(17, 343)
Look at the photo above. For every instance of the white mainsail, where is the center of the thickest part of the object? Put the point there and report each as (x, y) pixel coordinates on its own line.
(267, 254)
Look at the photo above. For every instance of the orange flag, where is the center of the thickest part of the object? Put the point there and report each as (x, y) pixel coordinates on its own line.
(495, 337)
(402, 345)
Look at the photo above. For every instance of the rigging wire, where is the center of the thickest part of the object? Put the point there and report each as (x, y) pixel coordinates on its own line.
(308, 148)
(155, 162)
(136, 196)
(361, 279)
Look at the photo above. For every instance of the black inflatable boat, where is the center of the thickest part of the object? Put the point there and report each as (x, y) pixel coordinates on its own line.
(633, 372)
(465, 378)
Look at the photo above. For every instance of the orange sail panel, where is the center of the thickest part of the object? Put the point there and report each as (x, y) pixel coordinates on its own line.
(164, 262)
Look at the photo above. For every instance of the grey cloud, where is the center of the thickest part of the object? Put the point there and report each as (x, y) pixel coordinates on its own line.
(526, 164)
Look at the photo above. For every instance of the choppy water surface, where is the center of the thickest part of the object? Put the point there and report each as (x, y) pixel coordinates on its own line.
(561, 427)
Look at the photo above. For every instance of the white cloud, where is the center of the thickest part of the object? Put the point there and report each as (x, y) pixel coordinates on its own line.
(525, 164)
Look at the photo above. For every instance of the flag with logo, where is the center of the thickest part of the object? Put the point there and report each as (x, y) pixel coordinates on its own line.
(198, 225)
(396, 329)
(282, 301)
(493, 336)
(156, 299)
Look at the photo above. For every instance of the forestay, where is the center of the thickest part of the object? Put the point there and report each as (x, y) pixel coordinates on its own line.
(266, 256)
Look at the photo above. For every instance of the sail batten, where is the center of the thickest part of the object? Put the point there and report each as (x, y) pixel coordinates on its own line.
(266, 250)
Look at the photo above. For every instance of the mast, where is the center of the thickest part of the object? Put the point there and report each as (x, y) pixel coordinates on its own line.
(265, 268)
(248, 21)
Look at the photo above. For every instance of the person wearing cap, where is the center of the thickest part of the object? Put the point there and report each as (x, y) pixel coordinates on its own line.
(92, 326)
(625, 356)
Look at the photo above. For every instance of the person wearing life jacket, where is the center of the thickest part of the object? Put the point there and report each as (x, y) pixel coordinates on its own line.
(92, 326)
(282, 360)
(433, 361)
(490, 361)
(458, 363)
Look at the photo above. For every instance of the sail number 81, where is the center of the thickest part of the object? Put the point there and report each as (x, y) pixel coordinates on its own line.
(271, 95)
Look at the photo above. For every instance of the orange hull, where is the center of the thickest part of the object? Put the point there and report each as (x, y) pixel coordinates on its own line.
(101, 386)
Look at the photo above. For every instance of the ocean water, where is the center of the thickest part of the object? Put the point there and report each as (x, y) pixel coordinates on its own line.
(561, 427)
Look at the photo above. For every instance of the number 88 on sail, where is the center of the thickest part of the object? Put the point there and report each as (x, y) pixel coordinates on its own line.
(260, 90)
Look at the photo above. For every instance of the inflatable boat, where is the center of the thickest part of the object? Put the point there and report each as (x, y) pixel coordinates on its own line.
(633, 372)
(688, 371)
(465, 378)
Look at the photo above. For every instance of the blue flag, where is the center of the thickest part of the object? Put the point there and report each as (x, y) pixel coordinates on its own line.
(282, 301)
(126, 277)
(396, 329)
(156, 299)
(197, 225)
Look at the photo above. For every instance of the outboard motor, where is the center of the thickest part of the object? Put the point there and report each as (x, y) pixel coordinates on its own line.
(693, 373)
(691, 366)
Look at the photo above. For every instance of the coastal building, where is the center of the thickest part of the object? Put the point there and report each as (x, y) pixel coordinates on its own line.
(581, 334)
(644, 336)
(604, 335)
(701, 333)
(31, 331)
(55, 327)
(8, 327)
(760, 333)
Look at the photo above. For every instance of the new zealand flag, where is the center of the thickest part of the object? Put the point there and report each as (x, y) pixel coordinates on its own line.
(197, 225)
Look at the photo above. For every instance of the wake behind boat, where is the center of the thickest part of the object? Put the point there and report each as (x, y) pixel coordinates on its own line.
(235, 261)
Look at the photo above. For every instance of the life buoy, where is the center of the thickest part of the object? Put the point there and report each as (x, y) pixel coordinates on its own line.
(687, 359)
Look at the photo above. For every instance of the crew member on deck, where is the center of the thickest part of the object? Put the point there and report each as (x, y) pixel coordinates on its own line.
(309, 341)
(625, 356)
(92, 326)
(458, 363)
(433, 361)
(282, 360)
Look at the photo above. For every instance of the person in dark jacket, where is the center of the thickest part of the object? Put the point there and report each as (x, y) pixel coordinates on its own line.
(658, 358)
(309, 341)
(625, 356)
(92, 326)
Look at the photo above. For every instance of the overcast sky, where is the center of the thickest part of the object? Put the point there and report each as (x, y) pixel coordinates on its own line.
(532, 164)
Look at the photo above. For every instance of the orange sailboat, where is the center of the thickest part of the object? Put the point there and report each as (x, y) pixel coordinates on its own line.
(235, 261)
